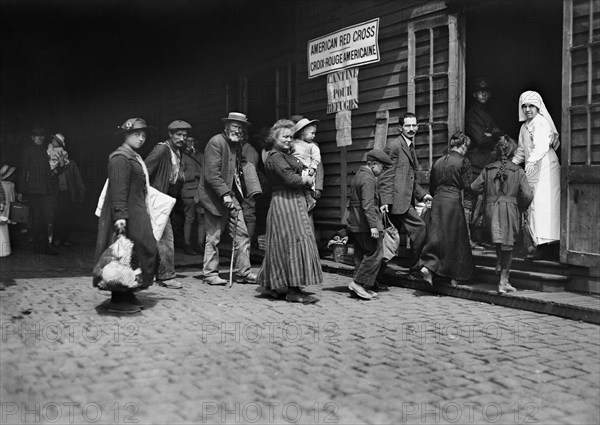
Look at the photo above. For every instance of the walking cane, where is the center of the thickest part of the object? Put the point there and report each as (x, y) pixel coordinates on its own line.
(237, 214)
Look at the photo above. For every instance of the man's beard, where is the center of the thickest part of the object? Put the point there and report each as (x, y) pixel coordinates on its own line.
(234, 136)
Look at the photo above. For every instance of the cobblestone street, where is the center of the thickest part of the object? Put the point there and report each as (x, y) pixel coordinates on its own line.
(218, 355)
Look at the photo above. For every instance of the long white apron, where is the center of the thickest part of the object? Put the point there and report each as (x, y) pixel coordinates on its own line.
(544, 211)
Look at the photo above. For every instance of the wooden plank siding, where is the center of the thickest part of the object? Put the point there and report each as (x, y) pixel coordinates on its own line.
(580, 238)
(383, 86)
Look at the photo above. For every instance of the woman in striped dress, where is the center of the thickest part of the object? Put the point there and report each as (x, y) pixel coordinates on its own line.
(291, 257)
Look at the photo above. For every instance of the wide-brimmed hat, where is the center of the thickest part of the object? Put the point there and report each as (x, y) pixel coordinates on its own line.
(133, 124)
(380, 156)
(304, 122)
(6, 171)
(237, 117)
(60, 138)
(179, 125)
(481, 84)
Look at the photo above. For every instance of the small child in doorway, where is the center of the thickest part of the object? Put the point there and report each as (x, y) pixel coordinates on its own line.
(57, 155)
(307, 151)
(505, 191)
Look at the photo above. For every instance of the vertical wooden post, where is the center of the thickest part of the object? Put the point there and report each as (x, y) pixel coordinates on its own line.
(343, 183)
(381, 129)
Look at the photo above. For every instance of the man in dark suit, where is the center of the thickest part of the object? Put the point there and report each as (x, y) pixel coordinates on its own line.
(399, 187)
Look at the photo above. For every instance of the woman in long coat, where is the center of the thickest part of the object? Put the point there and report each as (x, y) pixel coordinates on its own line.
(125, 211)
(506, 190)
(538, 139)
(291, 256)
(447, 250)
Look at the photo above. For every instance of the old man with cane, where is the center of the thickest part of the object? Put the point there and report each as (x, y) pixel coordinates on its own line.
(220, 194)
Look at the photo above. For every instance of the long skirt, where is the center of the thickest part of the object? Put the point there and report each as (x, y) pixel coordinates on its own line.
(291, 254)
(544, 211)
(447, 250)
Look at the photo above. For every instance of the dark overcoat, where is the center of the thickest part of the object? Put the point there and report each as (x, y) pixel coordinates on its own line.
(219, 173)
(35, 175)
(398, 183)
(478, 122)
(126, 199)
(447, 250)
(363, 212)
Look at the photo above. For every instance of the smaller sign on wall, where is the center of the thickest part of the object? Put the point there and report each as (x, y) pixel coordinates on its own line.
(342, 90)
(343, 127)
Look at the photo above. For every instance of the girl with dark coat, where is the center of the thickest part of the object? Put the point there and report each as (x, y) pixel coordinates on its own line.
(124, 211)
(447, 250)
(505, 190)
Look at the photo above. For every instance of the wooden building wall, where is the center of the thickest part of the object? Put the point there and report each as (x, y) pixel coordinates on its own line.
(384, 89)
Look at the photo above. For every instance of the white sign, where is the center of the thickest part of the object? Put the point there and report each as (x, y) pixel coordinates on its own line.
(343, 128)
(342, 90)
(351, 46)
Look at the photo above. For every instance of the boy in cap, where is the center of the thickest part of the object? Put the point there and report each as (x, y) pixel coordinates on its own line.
(165, 170)
(365, 223)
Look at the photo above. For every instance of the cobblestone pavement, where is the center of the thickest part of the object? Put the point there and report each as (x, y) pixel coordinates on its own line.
(217, 355)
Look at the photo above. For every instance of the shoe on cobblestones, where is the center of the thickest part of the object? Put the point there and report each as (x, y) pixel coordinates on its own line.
(359, 291)
(171, 284)
(505, 287)
(215, 280)
(249, 278)
(427, 277)
(370, 291)
(301, 298)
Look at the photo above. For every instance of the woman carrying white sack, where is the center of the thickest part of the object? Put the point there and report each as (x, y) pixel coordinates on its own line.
(538, 140)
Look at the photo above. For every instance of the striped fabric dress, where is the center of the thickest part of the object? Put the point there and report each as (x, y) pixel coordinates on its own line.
(291, 255)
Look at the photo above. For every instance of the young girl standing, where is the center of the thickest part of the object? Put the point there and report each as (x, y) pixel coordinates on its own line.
(505, 191)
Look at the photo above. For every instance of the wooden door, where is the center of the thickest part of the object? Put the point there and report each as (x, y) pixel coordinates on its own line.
(580, 180)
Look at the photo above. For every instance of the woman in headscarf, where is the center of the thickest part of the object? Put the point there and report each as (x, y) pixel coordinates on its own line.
(538, 139)
(291, 256)
(125, 211)
(447, 250)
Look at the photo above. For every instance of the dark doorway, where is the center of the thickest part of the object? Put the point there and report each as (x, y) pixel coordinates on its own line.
(519, 46)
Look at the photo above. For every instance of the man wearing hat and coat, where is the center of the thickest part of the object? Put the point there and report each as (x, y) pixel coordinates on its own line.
(484, 134)
(38, 184)
(166, 173)
(220, 195)
(365, 223)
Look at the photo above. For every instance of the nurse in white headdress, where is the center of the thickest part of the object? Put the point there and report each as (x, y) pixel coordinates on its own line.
(538, 140)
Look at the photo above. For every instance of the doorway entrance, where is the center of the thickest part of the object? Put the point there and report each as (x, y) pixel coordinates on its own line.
(519, 46)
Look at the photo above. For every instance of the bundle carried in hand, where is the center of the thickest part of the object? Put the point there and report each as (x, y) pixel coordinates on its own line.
(113, 271)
